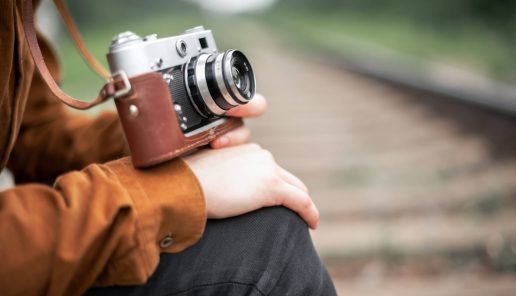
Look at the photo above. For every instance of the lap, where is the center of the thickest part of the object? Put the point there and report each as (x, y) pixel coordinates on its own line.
(266, 252)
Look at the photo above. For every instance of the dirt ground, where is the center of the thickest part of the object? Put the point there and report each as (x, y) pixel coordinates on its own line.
(416, 192)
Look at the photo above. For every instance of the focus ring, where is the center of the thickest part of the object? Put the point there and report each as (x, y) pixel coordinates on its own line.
(219, 77)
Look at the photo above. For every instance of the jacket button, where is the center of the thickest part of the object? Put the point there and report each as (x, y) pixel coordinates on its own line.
(166, 242)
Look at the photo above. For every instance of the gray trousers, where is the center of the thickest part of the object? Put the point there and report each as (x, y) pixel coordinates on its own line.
(267, 252)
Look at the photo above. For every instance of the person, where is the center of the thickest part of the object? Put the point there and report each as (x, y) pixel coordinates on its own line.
(223, 221)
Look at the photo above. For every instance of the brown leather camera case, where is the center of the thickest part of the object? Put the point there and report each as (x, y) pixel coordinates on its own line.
(150, 123)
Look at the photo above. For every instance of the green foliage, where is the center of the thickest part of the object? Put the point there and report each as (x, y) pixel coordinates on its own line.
(473, 34)
(476, 34)
(110, 11)
(500, 15)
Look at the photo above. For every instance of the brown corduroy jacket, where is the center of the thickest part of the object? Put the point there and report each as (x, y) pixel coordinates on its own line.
(99, 224)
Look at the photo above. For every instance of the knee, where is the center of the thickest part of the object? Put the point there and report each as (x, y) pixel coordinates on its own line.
(281, 221)
(281, 215)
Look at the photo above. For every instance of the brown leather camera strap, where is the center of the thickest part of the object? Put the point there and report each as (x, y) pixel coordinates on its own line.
(108, 91)
(76, 37)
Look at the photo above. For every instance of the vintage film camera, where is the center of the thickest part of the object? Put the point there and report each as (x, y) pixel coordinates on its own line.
(202, 84)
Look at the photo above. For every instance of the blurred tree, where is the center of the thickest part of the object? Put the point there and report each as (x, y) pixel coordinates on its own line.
(100, 11)
(499, 12)
(498, 15)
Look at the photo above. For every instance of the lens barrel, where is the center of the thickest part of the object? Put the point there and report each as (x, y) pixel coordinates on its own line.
(218, 82)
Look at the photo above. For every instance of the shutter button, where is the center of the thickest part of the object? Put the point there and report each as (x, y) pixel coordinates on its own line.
(166, 242)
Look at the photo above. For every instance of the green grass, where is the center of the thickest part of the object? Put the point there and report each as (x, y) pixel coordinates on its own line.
(467, 45)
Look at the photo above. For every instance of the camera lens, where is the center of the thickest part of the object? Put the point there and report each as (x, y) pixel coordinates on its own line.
(241, 80)
(242, 76)
(237, 77)
(219, 82)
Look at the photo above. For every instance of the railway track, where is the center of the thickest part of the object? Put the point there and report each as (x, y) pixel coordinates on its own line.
(417, 192)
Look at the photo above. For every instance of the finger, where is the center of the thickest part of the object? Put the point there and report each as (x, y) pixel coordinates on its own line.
(254, 108)
(292, 179)
(300, 202)
(235, 137)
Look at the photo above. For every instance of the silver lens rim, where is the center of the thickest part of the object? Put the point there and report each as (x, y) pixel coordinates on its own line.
(229, 77)
(202, 85)
(219, 77)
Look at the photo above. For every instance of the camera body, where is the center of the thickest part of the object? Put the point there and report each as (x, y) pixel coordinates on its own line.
(202, 84)
(182, 61)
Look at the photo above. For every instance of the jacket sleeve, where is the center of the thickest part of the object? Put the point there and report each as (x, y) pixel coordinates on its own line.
(51, 141)
(102, 225)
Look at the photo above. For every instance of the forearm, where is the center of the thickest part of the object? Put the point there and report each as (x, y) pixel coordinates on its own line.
(44, 151)
(51, 141)
(102, 225)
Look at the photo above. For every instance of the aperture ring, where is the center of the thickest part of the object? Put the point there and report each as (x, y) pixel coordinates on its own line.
(192, 90)
(202, 85)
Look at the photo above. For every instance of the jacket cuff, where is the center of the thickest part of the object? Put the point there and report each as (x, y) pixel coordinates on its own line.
(171, 211)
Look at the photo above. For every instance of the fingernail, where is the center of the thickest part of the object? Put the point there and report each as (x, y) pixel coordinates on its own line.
(223, 141)
(318, 217)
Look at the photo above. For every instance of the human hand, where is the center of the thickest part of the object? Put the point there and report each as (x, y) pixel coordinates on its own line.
(241, 135)
(241, 179)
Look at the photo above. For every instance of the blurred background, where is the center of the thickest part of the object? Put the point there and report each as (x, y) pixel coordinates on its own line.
(399, 115)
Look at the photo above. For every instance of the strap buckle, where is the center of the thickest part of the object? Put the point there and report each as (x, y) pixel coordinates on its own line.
(127, 85)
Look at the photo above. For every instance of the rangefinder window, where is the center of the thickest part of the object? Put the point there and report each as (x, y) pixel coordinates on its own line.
(203, 42)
